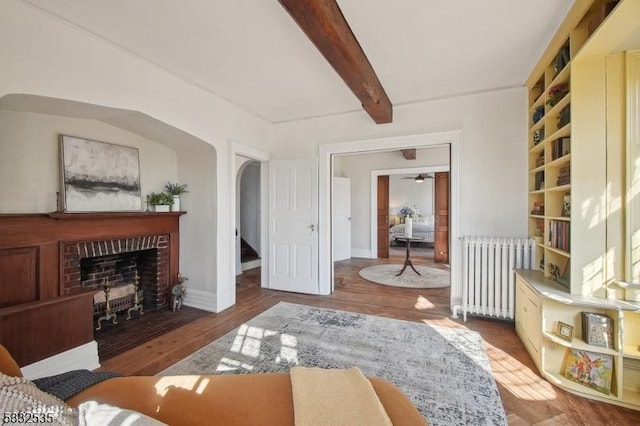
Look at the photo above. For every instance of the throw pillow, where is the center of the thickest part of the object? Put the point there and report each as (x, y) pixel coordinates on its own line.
(21, 402)
(93, 414)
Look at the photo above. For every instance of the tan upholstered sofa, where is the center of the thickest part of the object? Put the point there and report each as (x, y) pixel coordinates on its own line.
(252, 399)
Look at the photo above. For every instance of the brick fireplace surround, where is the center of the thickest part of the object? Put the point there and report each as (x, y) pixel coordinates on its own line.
(44, 307)
(118, 260)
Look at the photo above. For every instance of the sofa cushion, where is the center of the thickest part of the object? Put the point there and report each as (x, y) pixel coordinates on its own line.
(24, 403)
(244, 399)
(8, 365)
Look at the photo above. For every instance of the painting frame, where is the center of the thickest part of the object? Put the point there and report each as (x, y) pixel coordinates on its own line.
(565, 331)
(99, 176)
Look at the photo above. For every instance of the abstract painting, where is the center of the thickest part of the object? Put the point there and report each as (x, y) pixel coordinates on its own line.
(98, 176)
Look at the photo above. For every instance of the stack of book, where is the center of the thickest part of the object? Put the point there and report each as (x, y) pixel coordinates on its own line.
(560, 147)
(538, 209)
(540, 160)
(564, 175)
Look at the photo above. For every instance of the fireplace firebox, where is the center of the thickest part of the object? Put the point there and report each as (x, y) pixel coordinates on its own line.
(88, 264)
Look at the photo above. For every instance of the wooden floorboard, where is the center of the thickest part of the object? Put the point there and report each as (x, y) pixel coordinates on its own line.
(528, 399)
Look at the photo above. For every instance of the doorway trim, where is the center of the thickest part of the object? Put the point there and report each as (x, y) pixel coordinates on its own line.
(373, 253)
(325, 154)
(247, 151)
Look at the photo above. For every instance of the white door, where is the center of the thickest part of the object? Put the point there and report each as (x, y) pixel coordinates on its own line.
(341, 218)
(293, 226)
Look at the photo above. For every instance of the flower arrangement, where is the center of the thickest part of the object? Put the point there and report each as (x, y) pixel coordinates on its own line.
(556, 93)
(411, 212)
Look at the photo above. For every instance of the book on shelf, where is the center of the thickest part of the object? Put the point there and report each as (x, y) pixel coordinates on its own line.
(540, 160)
(560, 235)
(597, 329)
(590, 369)
(560, 147)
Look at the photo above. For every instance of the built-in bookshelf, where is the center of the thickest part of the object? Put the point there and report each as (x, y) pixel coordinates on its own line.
(578, 201)
(550, 161)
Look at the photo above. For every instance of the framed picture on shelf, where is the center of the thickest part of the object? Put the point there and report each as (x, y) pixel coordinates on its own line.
(590, 369)
(565, 331)
(597, 329)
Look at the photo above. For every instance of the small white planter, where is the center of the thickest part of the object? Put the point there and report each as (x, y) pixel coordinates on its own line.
(161, 208)
(175, 207)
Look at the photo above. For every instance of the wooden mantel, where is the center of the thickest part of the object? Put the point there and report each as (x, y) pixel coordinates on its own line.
(35, 309)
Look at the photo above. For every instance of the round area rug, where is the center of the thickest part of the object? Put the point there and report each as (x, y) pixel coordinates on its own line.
(386, 274)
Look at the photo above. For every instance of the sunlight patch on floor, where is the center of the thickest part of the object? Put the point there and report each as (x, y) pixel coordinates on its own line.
(518, 378)
(424, 303)
(248, 343)
(228, 364)
(248, 340)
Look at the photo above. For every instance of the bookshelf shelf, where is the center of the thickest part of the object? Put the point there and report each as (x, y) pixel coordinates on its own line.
(579, 344)
(564, 131)
(537, 148)
(567, 219)
(558, 251)
(559, 161)
(559, 188)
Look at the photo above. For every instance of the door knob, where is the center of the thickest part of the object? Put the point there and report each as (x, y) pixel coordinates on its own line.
(312, 227)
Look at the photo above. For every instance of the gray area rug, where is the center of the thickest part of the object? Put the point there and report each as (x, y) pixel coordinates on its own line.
(386, 274)
(445, 372)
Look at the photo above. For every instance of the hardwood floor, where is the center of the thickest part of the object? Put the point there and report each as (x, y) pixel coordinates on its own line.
(527, 398)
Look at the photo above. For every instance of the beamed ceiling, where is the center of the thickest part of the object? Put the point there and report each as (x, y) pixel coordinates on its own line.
(261, 55)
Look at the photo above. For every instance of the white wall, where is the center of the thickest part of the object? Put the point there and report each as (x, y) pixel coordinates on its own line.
(30, 158)
(494, 133)
(359, 167)
(407, 192)
(493, 154)
(46, 57)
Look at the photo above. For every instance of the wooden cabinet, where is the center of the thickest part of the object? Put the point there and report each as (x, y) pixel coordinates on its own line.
(538, 329)
(528, 319)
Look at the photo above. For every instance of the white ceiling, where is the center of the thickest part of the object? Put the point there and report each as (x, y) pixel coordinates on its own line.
(252, 53)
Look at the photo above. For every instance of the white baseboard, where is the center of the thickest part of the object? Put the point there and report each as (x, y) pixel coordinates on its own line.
(361, 253)
(251, 264)
(79, 358)
(199, 299)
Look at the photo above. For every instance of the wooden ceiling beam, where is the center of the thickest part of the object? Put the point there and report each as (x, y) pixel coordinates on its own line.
(322, 21)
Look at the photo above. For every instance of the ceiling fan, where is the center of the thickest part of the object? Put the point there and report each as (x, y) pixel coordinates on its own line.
(420, 178)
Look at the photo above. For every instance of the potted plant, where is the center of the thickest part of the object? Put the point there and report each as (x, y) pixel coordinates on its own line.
(175, 190)
(161, 201)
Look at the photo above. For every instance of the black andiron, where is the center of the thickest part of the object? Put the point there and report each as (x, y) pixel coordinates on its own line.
(137, 303)
(108, 315)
